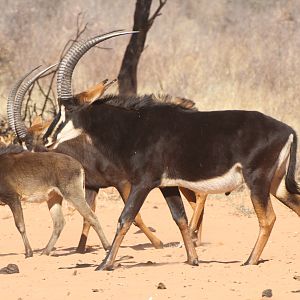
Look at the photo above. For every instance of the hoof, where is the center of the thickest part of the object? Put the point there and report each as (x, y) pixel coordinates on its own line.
(80, 250)
(193, 262)
(248, 263)
(45, 252)
(29, 254)
(105, 267)
(107, 247)
(160, 245)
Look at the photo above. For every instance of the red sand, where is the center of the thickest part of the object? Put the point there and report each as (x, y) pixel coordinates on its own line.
(230, 230)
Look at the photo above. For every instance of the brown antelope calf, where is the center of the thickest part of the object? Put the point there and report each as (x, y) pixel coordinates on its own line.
(39, 177)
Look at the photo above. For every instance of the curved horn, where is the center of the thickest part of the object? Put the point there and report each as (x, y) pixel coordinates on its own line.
(20, 127)
(68, 63)
(11, 99)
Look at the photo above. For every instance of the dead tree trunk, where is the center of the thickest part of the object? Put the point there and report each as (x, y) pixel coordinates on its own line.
(128, 73)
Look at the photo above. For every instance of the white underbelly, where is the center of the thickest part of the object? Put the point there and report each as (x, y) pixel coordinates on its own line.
(220, 184)
(39, 196)
(35, 197)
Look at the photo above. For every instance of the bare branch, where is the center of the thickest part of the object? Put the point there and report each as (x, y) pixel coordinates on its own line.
(157, 13)
(49, 103)
(27, 105)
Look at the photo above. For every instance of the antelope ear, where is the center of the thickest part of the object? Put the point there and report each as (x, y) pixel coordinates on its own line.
(38, 126)
(37, 120)
(92, 93)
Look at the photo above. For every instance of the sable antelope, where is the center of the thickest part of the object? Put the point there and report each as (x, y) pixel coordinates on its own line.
(95, 179)
(80, 149)
(77, 146)
(165, 145)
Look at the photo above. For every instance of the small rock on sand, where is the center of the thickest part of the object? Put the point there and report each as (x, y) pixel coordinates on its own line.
(297, 277)
(267, 293)
(161, 286)
(10, 269)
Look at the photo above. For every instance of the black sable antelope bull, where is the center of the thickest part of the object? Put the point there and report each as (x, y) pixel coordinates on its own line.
(164, 145)
(79, 148)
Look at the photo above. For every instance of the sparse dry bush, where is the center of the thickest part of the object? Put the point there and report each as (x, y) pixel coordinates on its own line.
(6, 134)
(223, 54)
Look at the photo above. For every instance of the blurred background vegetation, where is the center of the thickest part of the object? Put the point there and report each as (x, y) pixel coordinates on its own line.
(223, 54)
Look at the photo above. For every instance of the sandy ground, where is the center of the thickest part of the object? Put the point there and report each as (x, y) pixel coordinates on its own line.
(230, 230)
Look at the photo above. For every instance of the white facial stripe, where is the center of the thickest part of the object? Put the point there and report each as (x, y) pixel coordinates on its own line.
(49, 143)
(63, 113)
(221, 184)
(67, 133)
(61, 120)
(24, 146)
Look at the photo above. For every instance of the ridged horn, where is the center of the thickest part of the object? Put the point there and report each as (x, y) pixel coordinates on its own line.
(68, 63)
(11, 100)
(20, 127)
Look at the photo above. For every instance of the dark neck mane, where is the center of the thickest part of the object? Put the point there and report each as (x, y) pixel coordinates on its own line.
(139, 102)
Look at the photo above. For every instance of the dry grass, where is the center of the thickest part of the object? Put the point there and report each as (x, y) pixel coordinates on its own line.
(223, 54)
